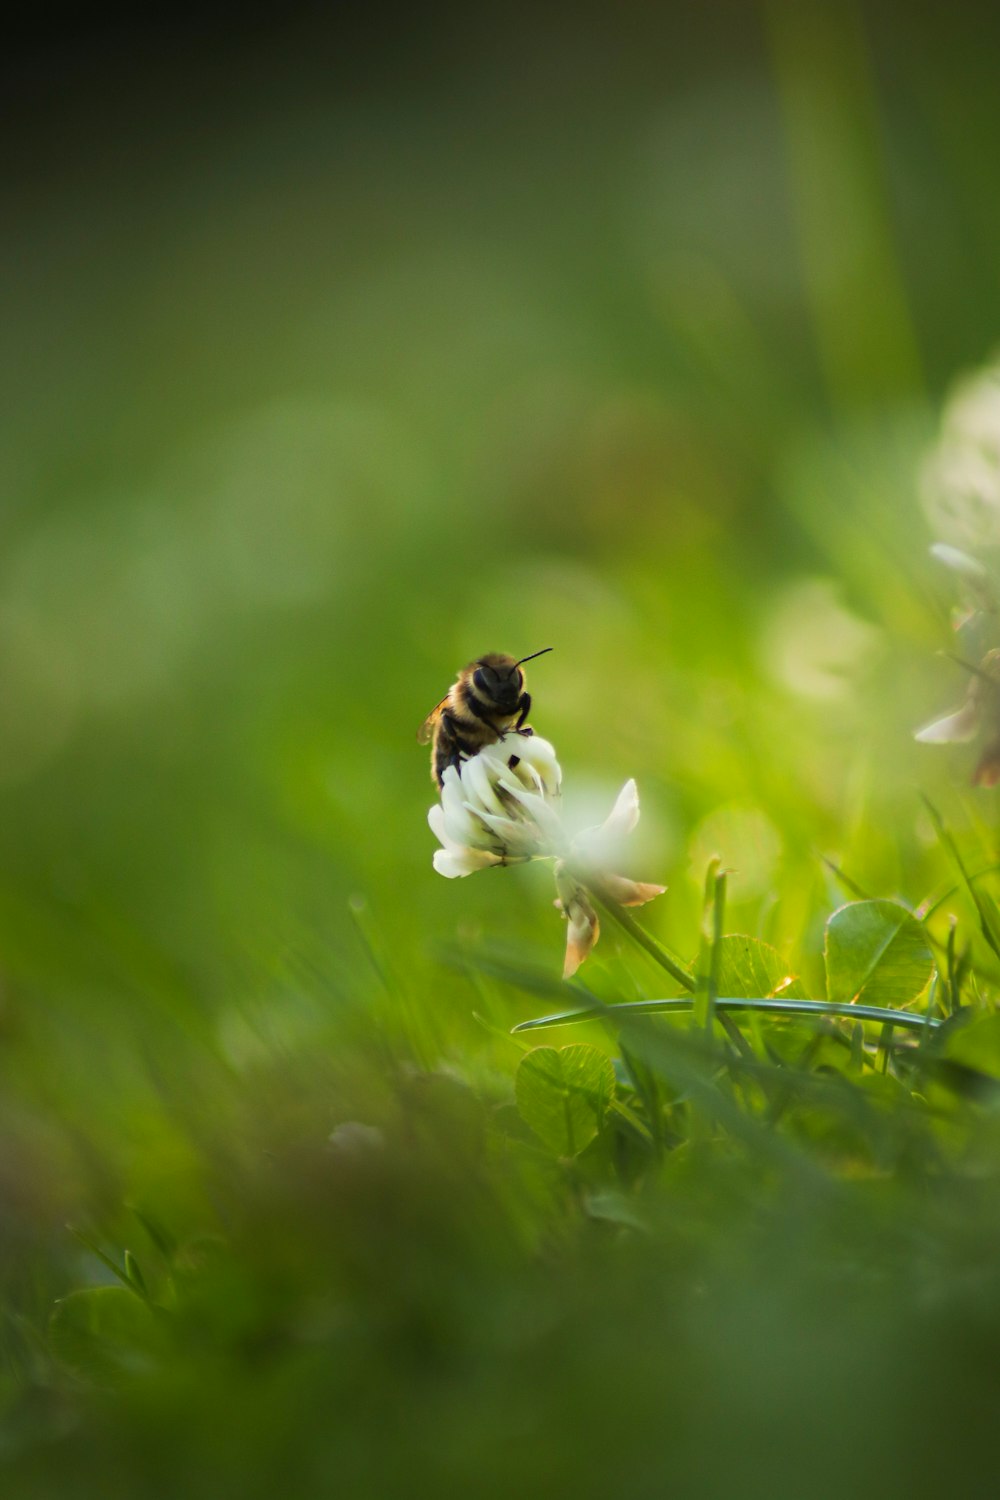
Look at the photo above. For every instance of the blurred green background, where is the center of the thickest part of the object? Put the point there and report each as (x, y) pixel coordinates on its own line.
(337, 351)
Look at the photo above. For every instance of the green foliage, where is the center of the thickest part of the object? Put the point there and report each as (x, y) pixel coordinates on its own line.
(749, 967)
(876, 952)
(403, 345)
(565, 1094)
(976, 1044)
(104, 1334)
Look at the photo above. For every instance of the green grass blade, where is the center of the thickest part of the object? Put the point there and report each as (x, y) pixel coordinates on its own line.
(989, 923)
(682, 1006)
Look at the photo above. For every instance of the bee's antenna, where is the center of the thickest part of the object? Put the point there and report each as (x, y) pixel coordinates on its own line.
(533, 655)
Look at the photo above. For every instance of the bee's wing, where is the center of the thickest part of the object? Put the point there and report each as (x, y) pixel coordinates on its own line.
(426, 731)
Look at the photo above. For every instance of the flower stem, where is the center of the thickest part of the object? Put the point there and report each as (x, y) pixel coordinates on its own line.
(644, 940)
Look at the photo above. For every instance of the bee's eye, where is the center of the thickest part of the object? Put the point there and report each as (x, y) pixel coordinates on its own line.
(481, 681)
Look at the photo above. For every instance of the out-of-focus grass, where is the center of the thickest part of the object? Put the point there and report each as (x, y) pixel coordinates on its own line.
(623, 340)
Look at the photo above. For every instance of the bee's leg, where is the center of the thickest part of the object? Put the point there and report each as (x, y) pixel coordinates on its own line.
(453, 747)
(451, 758)
(524, 704)
(456, 738)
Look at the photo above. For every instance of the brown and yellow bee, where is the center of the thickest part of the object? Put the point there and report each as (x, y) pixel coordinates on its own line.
(486, 701)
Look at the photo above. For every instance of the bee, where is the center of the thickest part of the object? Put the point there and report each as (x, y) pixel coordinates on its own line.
(486, 701)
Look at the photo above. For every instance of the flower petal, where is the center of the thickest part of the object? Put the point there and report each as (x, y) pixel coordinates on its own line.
(540, 755)
(435, 817)
(479, 774)
(540, 812)
(953, 729)
(601, 847)
(629, 892)
(583, 928)
(456, 824)
(453, 863)
(582, 932)
(515, 837)
(959, 562)
(625, 814)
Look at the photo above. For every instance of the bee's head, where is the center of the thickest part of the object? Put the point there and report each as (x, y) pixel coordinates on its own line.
(499, 679)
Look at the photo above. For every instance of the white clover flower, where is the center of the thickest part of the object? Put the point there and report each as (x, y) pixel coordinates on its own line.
(501, 807)
(978, 717)
(961, 477)
(961, 492)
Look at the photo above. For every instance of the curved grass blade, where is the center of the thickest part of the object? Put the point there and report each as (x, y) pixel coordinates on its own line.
(681, 1006)
(989, 921)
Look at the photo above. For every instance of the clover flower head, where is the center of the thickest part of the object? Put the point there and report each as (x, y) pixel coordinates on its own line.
(961, 492)
(978, 717)
(501, 806)
(961, 476)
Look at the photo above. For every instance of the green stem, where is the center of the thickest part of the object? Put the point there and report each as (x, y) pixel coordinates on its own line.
(909, 1020)
(644, 940)
(710, 957)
